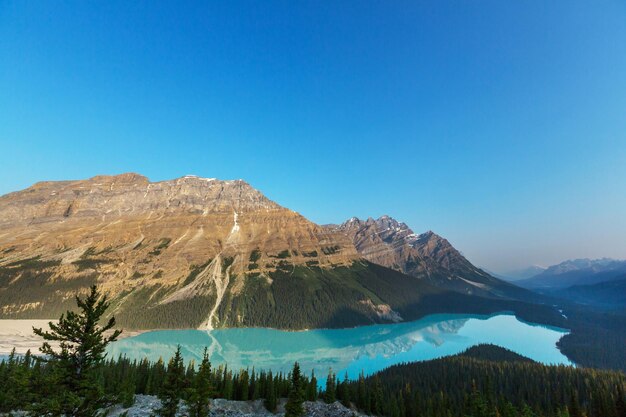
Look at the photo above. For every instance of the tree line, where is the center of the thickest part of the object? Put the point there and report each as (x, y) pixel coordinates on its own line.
(488, 381)
(76, 379)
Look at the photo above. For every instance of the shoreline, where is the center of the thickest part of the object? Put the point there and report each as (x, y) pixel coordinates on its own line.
(18, 334)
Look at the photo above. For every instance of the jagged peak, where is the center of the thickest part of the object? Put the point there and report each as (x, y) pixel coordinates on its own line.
(430, 235)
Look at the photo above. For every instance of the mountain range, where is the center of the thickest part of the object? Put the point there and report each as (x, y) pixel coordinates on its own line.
(519, 274)
(204, 253)
(576, 272)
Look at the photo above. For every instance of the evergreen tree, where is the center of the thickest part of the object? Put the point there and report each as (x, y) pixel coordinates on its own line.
(254, 386)
(227, 384)
(377, 398)
(311, 391)
(294, 408)
(476, 403)
(202, 389)
(127, 392)
(173, 386)
(270, 395)
(244, 385)
(344, 391)
(361, 400)
(330, 395)
(574, 406)
(620, 404)
(75, 366)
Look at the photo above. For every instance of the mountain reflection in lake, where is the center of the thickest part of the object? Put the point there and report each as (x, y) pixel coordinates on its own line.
(367, 349)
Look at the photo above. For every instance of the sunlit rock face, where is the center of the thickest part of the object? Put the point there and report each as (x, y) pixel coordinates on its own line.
(188, 237)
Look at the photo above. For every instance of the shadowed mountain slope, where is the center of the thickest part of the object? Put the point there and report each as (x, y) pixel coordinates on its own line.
(427, 256)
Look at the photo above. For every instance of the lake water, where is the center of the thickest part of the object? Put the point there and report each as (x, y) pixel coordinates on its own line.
(367, 349)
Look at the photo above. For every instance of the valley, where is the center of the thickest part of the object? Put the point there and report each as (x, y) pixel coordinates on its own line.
(203, 263)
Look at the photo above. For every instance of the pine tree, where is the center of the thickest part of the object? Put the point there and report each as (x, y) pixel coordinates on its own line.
(244, 385)
(270, 396)
(574, 406)
(294, 408)
(620, 404)
(202, 389)
(311, 391)
(344, 391)
(254, 386)
(173, 386)
(127, 392)
(377, 398)
(476, 403)
(330, 395)
(361, 400)
(82, 351)
(227, 384)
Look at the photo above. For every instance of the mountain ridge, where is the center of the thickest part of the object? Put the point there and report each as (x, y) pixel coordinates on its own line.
(203, 252)
(427, 256)
(582, 271)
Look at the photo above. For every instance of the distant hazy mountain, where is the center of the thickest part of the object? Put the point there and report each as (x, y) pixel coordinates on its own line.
(610, 294)
(524, 273)
(576, 272)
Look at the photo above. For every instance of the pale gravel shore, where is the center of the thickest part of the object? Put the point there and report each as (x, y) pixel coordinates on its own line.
(19, 334)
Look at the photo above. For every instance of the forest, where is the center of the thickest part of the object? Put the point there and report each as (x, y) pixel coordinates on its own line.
(484, 381)
(77, 379)
(487, 380)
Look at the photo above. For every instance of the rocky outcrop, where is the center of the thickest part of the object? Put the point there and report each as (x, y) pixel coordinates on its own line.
(147, 405)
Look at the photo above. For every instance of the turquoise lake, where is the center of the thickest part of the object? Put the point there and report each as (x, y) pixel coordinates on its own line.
(367, 348)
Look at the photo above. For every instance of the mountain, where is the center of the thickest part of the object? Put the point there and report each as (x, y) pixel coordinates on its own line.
(202, 252)
(576, 272)
(608, 294)
(524, 273)
(426, 256)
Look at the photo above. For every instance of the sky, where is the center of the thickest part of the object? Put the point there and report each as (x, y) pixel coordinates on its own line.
(500, 125)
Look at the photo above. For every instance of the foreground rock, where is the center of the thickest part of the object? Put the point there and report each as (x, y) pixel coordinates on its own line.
(146, 406)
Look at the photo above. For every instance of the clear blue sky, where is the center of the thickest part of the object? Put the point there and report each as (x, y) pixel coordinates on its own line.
(499, 124)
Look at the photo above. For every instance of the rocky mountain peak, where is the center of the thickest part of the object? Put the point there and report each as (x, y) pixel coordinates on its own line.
(391, 243)
(385, 227)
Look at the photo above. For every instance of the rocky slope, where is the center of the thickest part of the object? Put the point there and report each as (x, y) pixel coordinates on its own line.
(148, 405)
(428, 256)
(198, 252)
